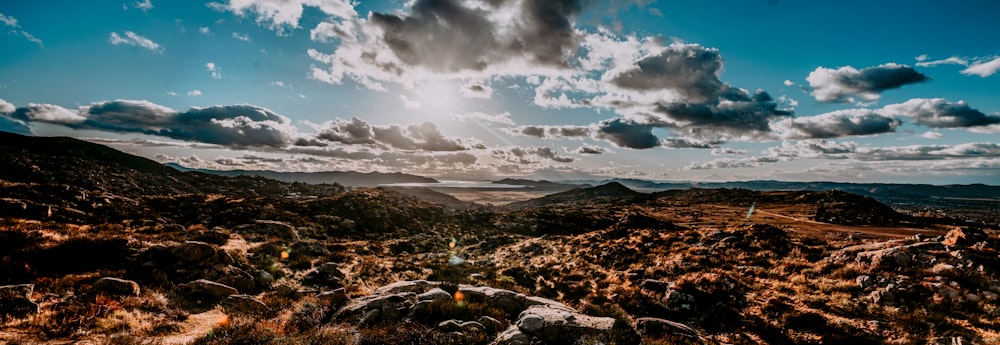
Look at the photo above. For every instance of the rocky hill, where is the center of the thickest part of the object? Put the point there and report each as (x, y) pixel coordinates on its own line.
(344, 178)
(126, 252)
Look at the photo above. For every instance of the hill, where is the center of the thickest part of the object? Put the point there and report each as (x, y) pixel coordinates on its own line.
(612, 190)
(344, 178)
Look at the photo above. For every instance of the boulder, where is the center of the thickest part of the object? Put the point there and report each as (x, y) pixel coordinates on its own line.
(512, 336)
(194, 252)
(243, 305)
(964, 237)
(15, 301)
(561, 326)
(116, 287)
(326, 275)
(203, 292)
(864, 281)
(434, 295)
(654, 285)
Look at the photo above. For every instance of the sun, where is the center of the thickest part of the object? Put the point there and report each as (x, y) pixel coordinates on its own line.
(439, 95)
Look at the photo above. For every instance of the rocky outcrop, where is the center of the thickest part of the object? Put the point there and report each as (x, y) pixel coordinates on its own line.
(15, 301)
(965, 237)
(168, 265)
(202, 294)
(116, 287)
(537, 318)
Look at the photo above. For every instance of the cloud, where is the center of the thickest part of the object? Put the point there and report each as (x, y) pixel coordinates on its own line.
(171, 93)
(813, 149)
(194, 93)
(939, 113)
(836, 124)
(144, 5)
(734, 113)
(409, 103)
(789, 82)
(134, 39)
(932, 135)
(624, 133)
(730, 163)
(688, 69)
(242, 37)
(590, 150)
(422, 137)
(215, 70)
(283, 15)
(204, 30)
(11, 22)
(686, 143)
(241, 125)
(928, 152)
(722, 151)
(503, 118)
(954, 60)
(529, 155)
(6, 107)
(983, 68)
(844, 83)
(477, 90)
(568, 131)
(13, 126)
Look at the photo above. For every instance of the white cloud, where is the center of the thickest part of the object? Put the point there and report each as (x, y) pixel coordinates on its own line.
(171, 93)
(845, 83)
(954, 60)
(789, 82)
(194, 93)
(6, 107)
(11, 22)
(204, 30)
(503, 118)
(730, 163)
(932, 135)
(144, 5)
(133, 39)
(242, 37)
(282, 15)
(215, 70)
(983, 68)
(409, 103)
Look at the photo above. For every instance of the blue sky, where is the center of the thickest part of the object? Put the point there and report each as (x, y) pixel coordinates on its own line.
(654, 89)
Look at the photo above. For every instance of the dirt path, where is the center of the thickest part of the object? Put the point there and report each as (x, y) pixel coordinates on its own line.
(196, 326)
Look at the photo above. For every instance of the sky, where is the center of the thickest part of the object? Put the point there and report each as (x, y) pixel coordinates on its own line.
(845, 91)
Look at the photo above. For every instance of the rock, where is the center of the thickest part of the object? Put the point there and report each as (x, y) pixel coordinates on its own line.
(864, 281)
(213, 236)
(964, 237)
(654, 285)
(406, 286)
(560, 326)
(649, 326)
(679, 300)
(194, 252)
(449, 325)
(492, 325)
(512, 336)
(473, 331)
(434, 294)
(882, 297)
(243, 305)
(270, 228)
(326, 274)
(335, 298)
(15, 301)
(204, 292)
(989, 296)
(116, 287)
(895, 257)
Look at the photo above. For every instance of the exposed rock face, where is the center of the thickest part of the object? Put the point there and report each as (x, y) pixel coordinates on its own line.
(537, 318)
(116, 287)
(15, 301)
(895, 257)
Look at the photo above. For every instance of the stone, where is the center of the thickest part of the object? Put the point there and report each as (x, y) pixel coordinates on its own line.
(205, 289)
(406, 286)
(654, 285)
(213, 236)
(512, 336)
(194, 252)
(449, 325)
(243, 305)
(434, 294)
(491, 324)
(15, 301)
(116, 287)
(649, 326)
(964, 237)
(560, 326)
(326, 274)
(336, 297)
(864, 281)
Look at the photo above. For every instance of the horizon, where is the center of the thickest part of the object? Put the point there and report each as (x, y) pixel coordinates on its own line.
(483, 90)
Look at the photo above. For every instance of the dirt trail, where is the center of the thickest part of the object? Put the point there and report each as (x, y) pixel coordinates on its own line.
(196, 326)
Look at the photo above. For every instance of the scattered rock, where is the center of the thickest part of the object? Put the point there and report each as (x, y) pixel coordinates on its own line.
(116, 287)
(964, 237)
(434, 295)
(654, 285)
(512, 336)
(269, 228)
(193, 252)
(649, 326)
(325, 275)
(243, 305)
(15, 301)
(214, 236)
(864, 281)
(561, 326)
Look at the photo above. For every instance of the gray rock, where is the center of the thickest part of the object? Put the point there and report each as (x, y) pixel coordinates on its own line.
(964, 237)
(449, 325)
(326, 274)
(336, 297)
(116, 287)
(492, 325)
(417, 286)
(864, 281)
(243, 305)
(15, 301)
(559, 326)
(512, 336)
(203, 288)
(434, 294)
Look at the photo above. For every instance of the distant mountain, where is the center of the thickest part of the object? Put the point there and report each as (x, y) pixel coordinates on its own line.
(344, 178)
(612, 190)
(541, 184)
(429, 195)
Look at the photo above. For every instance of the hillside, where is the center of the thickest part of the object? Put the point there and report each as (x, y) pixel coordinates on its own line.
(612, 190)
(344, 178)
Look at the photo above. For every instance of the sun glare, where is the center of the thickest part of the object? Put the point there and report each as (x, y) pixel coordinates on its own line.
(439, 95)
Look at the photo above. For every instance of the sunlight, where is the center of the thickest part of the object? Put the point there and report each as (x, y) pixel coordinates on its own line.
(439, 95)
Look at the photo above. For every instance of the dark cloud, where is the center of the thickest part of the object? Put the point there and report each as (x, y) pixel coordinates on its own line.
(686, 143)
(734, 112)
(624, 133)
(842, 84)
(841, 123)
(688, 69)
(529, 155)
(568, 131)
(939, 113)
(814, 149)
(590, 150)
(13, 126)
(729, 163)
(928, 152)
(423, 137)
